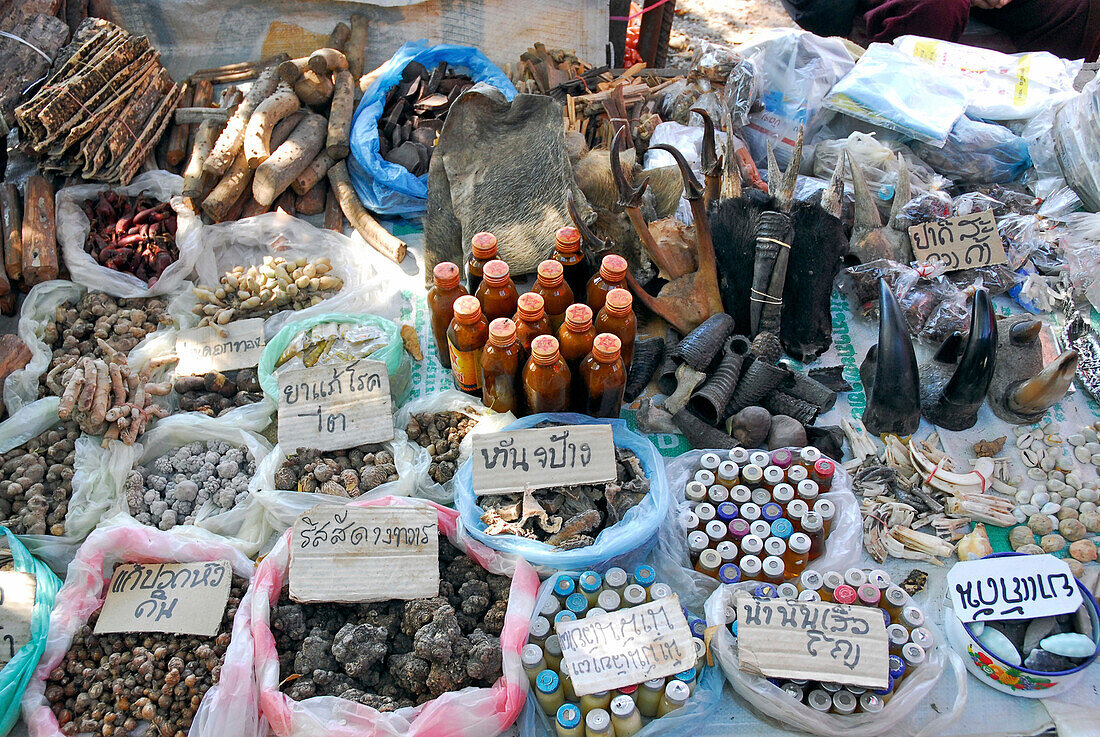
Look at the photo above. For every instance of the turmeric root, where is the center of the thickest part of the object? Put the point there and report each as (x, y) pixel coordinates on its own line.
(337, 146)
(290, 159)
(257, 134)
(232, 136)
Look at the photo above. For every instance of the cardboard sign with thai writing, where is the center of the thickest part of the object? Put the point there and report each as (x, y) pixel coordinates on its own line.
(1013, 587)
(176, 598)
(962, 242)
(781, 638)
(562, 455)
(335, 406)
(627, 646)
(220, 348)
(17, 591)
(361, 554)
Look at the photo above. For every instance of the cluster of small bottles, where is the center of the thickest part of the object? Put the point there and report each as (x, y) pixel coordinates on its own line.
(909, 639)
(565, 345)
(758, 516)
(617, 713)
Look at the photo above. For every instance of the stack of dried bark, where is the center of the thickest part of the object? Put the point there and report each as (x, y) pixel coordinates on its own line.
(36, 22)
(104, 107)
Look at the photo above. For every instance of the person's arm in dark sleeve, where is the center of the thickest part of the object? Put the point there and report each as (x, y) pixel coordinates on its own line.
(823, 17)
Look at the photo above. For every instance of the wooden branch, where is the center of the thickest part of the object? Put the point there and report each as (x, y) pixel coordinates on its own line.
(373, 233)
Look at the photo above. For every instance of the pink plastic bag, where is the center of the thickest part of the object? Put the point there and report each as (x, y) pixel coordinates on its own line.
(229, 707)
(470, 712)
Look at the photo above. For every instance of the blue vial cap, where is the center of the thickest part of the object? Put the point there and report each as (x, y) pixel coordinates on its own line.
(889, 687)
(547, 681)
(771, 511)
(569, 716)
(644, 576)
(697, 626)
(590, 582)
(782, 528)
(576, 603)
(564, 586)
(765, 591)
(886, 616)
(727, 511)
(729, 573)
(686, 676)
(897, 667)
(733, 628)
(565, 616)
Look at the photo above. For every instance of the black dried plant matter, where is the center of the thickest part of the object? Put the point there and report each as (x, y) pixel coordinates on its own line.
(110, 685)
(347, 473)
(36, 482)
(215, 393)
(393, 654)
(441, 433)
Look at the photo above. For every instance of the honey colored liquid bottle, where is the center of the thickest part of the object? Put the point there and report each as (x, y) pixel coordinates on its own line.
(612, 275)
(546, 377)
(466, 337)
(500, 362)
(483, 249)
(604, 377)
(497, 293)
(556, 293)
(530, 321)
(441, 299)
(568, 253)
(575, 339)
(617, 318)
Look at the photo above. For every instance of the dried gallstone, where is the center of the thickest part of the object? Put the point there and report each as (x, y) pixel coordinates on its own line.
(121, 323)
(441, 433)
(36, 482)
(108, 685)
(215, 393)
(173, 488)
(393, 654)
(1020, 536)
(346, 473)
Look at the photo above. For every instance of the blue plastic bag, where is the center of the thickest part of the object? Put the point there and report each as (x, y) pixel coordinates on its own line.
(977, 152)
(389, 189)
(18, 671)
(624, 544)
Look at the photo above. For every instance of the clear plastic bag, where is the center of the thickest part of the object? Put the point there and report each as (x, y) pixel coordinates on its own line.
(713, 61)
(740, 93)
(244, 525)
(450, 400)
(472, 711)
(891, 89)
(625, 543)
(843, 548)
(534, 722)
(770, 700)
(1076, 132)
(1082, 250)
(73, 228)
(680, 97)
(246, 242)
(17, 672)
(230, 706)
(978, 153)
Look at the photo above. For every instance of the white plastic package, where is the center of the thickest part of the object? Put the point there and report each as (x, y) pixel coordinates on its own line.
(1076, 132)
(73, 228)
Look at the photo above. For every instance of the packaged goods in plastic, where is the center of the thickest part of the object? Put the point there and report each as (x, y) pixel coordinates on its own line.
(977, 152)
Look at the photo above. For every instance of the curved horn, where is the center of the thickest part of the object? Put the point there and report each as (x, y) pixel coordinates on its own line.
(693, 190)
(629, 195)
(1025, 331)
(590, 239)
(902, 192)
(893, 399)
(970, 382)
(866, 215)
(1038, 394)
(790, 176)
(832, 198)
(774, 173)
(711, 161)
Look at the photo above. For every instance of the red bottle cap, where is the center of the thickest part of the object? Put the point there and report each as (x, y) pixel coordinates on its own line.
(446, 275)
(618, 302)
(578, 317)
(502, 332)
(544, 350)
(531, 307)
(495, 273)
(824, 467)
(844, 594)
(613, 268)
(606, 347)
(550, 273)
(484, 245)
(467, 309)
(568, 239)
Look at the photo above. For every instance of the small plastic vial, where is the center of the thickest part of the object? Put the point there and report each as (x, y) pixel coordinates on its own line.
(782, 528)
(897, 668)
(773, 475)
(539, 630)
(809, 580)
(568, 722)
(809, 595)
(793, 690)
(808, 456)
(922, 636)
(740, 494)
(649, 697)
(615, 579)
(826, 509)
(844, 702)
(551, 650)
(548, 692)
(813, 525)
(597, 723)
(659, 591)
(855, 577)
(772, 568)
(820, 700)
(705, 511)
(775, 546)
(689, 677)
(750, 512)
(898, 636)
(788, 591)
(676, 695)
(796, 473)
(691, 522)
(728, 550)
(797, 555)
(697, 543)
(695, 492)
(717, 494)
(870, 703)
(729, 573)
(565, 616)
(879, 578)
(782, 493)
(750, 567)
(868, 595)
(705, 477)
(782, 457)
(770, 512)
(740, 456)
(577, 603)
(716, 530)
(796, 510)
(590, 584)
(752, 475)
(808, 490)
(608, 600)
(760, 458)
(729, 473)
(563, 587)
(913, 655)
(823, 473)
(708, 563)
(625, 717)
(533, 662)
(844, 594)
(726, 511)
(752, 545)
(761, 496)
(893, 599)
(710, 461)
(738, 528)
(633, 595)
(912, 617)
(761, 528)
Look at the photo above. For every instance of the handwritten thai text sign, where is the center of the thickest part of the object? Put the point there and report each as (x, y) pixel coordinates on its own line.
(627, 646)
(781, 638)
(335, 406)
(962, 242)
(220, 348)
(1013, 587)
(17, 591)
(562, 455)
(177, 598)
(362, 554)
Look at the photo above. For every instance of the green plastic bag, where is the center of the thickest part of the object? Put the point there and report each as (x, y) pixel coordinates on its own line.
(393, 355)
(18, 671)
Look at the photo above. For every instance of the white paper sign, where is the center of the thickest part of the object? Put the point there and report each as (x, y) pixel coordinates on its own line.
(222, 348)
(17, 591)
(1013, 587)
(785, 638)
(362, 554)
(177, 598)
(627, 646)
(335, 406)
(562, 455)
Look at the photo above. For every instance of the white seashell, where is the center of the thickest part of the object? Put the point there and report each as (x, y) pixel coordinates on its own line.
(1036, 474)
(1088, 494)
(1071, 503)
(1082, 454)
(1023, 496)
(1089, 433)
(1029, 457)
(1073, 479)
(1029, 509)
(1016, 480)
(1052, 427)
(1056, 475)
(1067, 644)
(1087, 507)
(1056, 486)
(1092, 447)
(1040, 498)
(1095, 460)
(1056, 498)
(999, 645)
(1019, 431)
(1065, 464)
(1050, 508)
(1047, 464)
(1037, 433)
(1076, 439)
(1019, 516)
(1053, 439)
(1024, 441)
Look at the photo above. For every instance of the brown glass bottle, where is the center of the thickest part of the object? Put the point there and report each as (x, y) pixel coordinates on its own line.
(604, 376)
(500, 364)
(612, 275)
(483, 249)
(568, 253)
(441, 299)
(556, 293)
(617, 318)
(530, 321)
(575, 338)
(465, 338)
(546, 377)
(497, 293)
